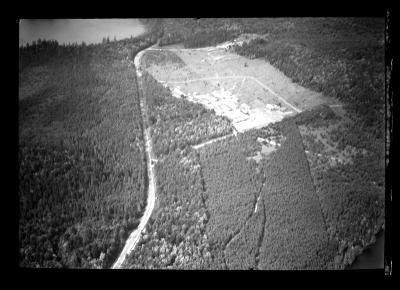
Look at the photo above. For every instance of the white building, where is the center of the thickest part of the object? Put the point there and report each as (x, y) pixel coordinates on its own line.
(177, 93)
(244, 108)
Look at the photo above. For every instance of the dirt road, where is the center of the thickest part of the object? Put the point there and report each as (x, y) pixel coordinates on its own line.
(151, 197)
(212, 141)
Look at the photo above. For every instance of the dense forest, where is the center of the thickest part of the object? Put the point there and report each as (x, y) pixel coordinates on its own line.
(243, 251)
(204, 32)
(82, 174)
(294, 233)
(351, 190)
(175, 234)
(232, 184)
(198, 32)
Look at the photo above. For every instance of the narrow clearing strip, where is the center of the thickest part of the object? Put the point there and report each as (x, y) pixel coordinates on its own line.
(261, 236)
(241, 85)
(260, 240)
(313, 183)
(255, 208)
(245, 224)
(212, 141)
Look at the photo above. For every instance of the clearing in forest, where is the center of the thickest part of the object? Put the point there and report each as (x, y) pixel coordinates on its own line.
(250, 92)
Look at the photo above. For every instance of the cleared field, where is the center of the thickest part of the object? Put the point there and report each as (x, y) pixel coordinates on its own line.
(205, 87)
(206, 63)
(251, 93)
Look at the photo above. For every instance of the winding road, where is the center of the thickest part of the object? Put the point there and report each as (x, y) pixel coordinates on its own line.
(151, 197)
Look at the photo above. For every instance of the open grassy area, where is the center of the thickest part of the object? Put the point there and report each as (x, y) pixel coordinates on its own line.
(207, 64)
(223, 81)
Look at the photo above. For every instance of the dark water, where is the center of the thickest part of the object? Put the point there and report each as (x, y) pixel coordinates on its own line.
(78, 30)
(373, 257)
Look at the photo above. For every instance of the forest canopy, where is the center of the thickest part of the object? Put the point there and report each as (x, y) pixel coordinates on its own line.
(82, 172)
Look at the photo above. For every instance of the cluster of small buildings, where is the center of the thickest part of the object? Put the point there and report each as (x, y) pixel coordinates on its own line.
(222, 102)
(225, 103)
(268, 141)
(229, 44)
(177, 93)
(272, 107)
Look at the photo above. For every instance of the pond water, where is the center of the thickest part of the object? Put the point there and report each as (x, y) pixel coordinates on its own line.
(78, 30)
(373, 257)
